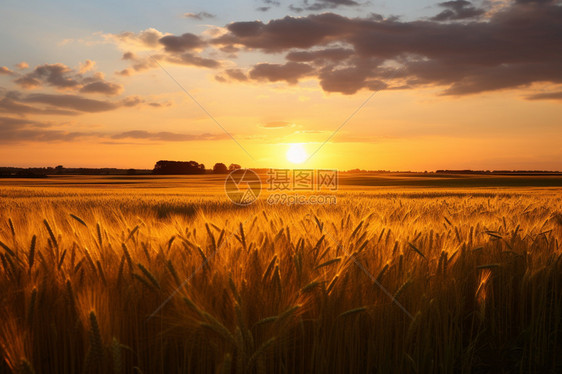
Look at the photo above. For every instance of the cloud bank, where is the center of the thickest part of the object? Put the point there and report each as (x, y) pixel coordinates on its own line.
(516, 47)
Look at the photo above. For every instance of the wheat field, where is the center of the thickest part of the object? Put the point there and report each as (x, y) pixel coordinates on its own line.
(133, 278)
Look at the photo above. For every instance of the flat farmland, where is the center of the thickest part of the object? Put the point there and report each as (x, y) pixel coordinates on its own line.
(405, 273)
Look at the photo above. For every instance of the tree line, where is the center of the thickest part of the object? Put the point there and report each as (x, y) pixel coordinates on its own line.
(165, 167)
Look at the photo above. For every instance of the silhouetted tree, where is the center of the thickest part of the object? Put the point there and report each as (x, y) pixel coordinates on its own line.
(234, 167)
(178, 167)
(220, 168)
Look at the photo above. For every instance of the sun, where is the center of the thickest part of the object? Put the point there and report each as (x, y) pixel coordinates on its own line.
(296, 153)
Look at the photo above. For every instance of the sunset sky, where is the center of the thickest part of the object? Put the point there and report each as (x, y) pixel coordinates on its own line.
(457, 85)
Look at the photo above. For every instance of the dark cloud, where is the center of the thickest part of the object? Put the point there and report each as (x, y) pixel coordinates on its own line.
(129, 56)
(131, 101)
(268, 4)
(82, 104)
(458, 10)
(106, 88)
(56, 75)
(199, 15)
(73, 102)
(505, 76)
(63, 77)
(28, 82)
(14, 130)
(330, 54)
(283, 34)
(10, 123)
(55, 104)
(125, 72)
(10, 105)
(462, 48)
(138, 64)
(348, 80)
(180, 50)
(181, 43)
(515, 47)
(323, 5)
(290, 72)
(17, 130)
(160, 105)
(375, 17)
(193, 60)
(236, 74)
(229, 49)
(535, 1)
(546, 96)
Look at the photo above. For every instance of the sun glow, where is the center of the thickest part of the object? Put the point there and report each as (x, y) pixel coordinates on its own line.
(296, 153)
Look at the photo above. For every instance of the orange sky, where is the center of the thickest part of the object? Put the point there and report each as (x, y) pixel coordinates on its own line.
(97, 98)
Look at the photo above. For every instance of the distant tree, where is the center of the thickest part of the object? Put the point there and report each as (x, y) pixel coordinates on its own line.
(192, 167)
(164, 167)
(131, 172)
(220, 168)
(59, 169)
(234, 167)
